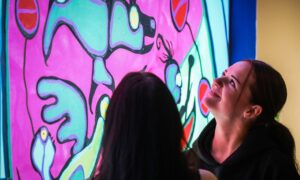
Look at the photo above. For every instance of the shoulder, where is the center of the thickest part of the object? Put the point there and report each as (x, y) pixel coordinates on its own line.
(206, 175)
(276, 158)
(278, 166)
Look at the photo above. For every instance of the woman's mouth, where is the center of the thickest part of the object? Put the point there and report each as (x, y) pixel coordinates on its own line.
(213, 93)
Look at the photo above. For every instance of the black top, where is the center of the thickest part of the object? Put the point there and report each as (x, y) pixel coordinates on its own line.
(257, 158)
(192, 175)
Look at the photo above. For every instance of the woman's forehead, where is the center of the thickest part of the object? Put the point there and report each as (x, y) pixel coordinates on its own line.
(240, 69)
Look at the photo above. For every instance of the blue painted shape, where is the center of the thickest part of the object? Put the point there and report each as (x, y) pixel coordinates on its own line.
(70, 104)
(217, 23)
(226, 16)
(48, 158)
(242, 30)
(37, 153)
(42, 152)
(5, 145)
(172, 75)
(2, 164)
(101, 75)
(87, 19)
(121, 33)
(78, 173)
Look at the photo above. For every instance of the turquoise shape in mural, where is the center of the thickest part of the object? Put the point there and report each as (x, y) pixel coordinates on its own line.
(69, 104)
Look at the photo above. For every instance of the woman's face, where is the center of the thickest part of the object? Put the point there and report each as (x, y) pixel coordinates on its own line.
(230, 94)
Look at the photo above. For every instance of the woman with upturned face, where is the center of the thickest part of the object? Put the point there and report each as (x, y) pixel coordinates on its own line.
(244, 141)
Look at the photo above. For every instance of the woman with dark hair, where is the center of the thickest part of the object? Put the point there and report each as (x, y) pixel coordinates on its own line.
(143, 133)
(244, 141)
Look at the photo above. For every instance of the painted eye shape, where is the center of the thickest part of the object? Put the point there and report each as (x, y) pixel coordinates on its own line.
(61, 1)
(104, 105)
(134, 17)
(178, 80)
(43, 134)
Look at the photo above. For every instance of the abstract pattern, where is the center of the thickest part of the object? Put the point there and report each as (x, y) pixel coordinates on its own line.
(66, 57)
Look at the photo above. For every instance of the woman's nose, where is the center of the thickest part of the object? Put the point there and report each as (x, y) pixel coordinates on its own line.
(219, 82)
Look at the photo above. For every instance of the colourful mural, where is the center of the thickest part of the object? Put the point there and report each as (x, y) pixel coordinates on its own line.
(66, 57)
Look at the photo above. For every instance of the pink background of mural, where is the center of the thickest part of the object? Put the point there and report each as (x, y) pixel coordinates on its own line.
(69, 61)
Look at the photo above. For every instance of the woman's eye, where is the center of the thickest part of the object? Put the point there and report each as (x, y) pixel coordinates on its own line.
(232, 83)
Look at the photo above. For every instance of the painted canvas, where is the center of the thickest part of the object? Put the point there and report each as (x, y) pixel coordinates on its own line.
(65, 58)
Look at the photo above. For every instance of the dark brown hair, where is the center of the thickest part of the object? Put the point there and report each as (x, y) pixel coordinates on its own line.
(143, 132)
(269, 91)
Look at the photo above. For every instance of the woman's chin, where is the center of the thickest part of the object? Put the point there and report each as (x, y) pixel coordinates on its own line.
(210, 102)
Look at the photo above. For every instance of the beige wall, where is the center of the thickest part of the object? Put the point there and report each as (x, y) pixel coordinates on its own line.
(278, 43)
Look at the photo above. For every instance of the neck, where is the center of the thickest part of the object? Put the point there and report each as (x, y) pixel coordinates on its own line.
(227, 138)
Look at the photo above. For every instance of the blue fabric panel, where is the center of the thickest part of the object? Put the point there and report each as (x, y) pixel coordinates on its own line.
(242, 30)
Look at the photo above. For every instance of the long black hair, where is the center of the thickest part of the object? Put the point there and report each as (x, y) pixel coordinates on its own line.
(143, 132)
(270, 92)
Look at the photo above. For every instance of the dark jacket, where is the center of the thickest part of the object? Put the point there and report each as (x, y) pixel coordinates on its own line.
(257, 158)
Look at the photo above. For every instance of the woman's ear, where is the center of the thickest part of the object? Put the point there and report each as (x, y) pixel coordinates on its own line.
(253, 112)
